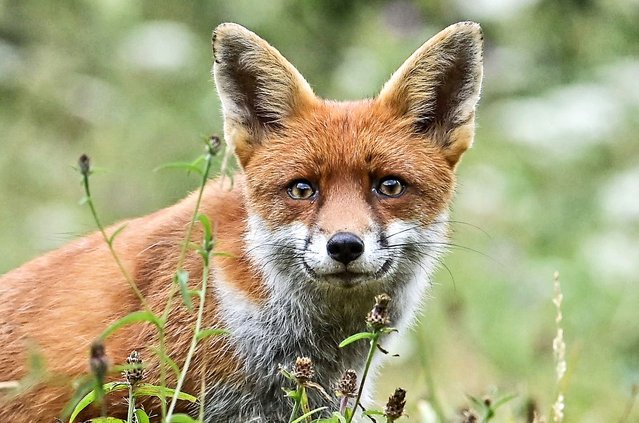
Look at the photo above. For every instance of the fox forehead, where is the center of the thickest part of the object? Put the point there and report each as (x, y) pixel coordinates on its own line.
(333, 135)
(344, 148)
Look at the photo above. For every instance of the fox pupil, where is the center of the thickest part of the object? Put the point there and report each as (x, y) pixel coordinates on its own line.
(301, 190)
(391, 187)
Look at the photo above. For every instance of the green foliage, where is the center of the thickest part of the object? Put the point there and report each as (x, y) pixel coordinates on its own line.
(549, 200)
(141, 390)
(91, 397)
(130, 319)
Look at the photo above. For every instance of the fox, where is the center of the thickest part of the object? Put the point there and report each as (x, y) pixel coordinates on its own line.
(333, 203)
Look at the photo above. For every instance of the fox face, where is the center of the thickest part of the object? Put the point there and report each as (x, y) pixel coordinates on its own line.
(353, 198)
(347, 194)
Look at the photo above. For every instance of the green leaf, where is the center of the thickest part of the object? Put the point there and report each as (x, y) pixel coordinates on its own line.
(129, 319)
(182, 279)
(335, 418)
(206, 225)
(168, 360)
(293, 394)
(107, 420)
(373, 413)
(288, 375)
(90, 397)
(356, 337)
(84, 200)
(195, 293)
(503, 400)
(223, 254)
(309, 414)
(116, 233)
(205, 333)
(182, 418)
(142, 416)
(84, 386)
(189, 167)
(149, 390)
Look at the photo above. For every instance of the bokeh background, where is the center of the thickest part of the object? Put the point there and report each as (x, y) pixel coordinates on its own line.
(552, 182)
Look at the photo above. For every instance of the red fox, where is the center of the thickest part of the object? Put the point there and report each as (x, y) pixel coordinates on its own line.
(334, 203)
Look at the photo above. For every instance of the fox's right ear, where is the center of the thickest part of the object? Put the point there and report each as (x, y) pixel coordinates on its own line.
(258, 87)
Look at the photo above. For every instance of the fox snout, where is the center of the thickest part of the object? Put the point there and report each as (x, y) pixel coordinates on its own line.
(345, 247)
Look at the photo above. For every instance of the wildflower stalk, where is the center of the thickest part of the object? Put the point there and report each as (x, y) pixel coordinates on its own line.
(206, 255)
(559, 349)
(85, 170)
(377, 334)
(300, 394)
(208, 160)
(99, 366)
(378, 320)
(631, 402)
(129, 416)
(430, 382)
(346, 389)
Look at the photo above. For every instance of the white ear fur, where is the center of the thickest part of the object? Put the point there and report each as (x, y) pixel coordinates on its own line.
(258, 87)
(439, 86)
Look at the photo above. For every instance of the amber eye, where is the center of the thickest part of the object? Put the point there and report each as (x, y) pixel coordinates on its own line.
(390, 187)
(301, 190)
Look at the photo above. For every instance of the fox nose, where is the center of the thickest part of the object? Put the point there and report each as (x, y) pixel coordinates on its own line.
(345, 247)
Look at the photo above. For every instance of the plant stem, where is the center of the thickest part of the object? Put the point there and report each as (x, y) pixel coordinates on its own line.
(194, 339)
(296, 406)
(343, 404)
(202, 393)
(189, 230)
(129, 417)
(162, 348)
(125, 273)
(369, 360)
(167, 309)
(430, 382)
(304, 403)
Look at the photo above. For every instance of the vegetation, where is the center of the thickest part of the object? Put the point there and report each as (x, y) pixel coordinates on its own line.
(552, 183)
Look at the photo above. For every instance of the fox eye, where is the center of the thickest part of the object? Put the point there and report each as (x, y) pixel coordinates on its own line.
(390, 187)
(301, 190)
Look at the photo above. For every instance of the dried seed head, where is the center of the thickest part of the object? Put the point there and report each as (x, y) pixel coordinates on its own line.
(214, 145)
(303, 369)
(378, 317)
(468, 416)
(395, 406)
(135, 374)
(84, 163)
(347, 385)
(98, 362)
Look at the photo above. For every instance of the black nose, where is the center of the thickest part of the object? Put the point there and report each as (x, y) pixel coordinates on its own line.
(345, 247)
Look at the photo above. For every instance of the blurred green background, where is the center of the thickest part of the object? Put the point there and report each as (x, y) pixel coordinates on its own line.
(552, 182)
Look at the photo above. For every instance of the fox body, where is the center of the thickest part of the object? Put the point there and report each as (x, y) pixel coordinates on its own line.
(336, 202)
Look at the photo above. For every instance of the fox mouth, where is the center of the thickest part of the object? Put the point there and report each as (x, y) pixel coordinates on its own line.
(347, 278)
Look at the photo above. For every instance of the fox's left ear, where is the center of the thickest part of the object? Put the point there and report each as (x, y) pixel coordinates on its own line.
(438, 88)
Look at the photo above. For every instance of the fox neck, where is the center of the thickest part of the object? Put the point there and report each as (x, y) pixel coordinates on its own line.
(300, 317)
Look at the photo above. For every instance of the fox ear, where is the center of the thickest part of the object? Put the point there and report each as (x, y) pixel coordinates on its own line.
(438, 88)
(258, 87)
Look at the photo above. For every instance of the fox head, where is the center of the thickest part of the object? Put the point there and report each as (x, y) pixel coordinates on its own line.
(345, 195)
